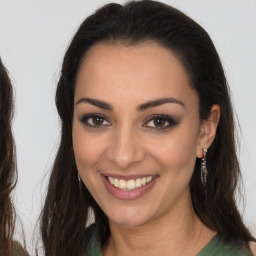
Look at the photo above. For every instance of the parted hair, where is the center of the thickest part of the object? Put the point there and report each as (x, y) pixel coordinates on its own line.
(8, 175)
(67, 204)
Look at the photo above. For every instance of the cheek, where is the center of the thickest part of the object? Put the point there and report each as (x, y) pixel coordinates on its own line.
(177, 151)
(87, 147)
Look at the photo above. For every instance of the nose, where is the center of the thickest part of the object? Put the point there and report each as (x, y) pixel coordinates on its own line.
(126, 148)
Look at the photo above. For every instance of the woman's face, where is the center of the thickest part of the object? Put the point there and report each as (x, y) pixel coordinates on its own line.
(136, 131)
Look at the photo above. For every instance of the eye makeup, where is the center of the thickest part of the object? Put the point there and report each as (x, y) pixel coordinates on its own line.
(95, 120)
(158, 122)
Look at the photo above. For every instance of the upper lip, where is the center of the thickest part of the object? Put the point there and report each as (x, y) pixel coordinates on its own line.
(128, 177)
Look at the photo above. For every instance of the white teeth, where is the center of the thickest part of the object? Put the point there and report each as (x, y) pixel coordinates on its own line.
(149, 178)
(116, 183)
(138, 183)
(111, 180)
(122, 184)
(130, 184)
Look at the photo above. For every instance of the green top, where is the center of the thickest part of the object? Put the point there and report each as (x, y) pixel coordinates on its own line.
(216, 247)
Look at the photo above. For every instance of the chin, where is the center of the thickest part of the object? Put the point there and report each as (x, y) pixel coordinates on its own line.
(129, 218)
(129, 222)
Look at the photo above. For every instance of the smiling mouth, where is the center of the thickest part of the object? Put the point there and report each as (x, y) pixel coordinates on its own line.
(131, 184)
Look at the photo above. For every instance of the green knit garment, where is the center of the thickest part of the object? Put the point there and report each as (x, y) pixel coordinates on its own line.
(216, 247)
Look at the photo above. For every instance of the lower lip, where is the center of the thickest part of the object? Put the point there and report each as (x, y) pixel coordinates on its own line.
(128, 194)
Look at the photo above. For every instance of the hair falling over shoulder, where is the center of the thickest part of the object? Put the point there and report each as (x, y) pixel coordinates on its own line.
(67, 204)
(8, 175)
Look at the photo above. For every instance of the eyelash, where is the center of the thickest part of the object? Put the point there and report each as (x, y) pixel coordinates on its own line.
(85, 120)
(171, 122)
(166, 119)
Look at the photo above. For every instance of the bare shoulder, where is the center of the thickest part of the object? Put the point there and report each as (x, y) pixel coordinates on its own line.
(252, 246)
(18, 250)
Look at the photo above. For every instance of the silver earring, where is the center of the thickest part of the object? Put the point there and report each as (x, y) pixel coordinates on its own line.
(203, 168)
(79, 179)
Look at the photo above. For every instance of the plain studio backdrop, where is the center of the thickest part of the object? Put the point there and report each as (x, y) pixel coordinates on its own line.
(33, 38)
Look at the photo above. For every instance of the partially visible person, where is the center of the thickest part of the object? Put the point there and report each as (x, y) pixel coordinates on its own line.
(8, 172)
(252, 246)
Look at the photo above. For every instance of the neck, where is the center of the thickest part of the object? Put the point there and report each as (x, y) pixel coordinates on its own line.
(178, 232)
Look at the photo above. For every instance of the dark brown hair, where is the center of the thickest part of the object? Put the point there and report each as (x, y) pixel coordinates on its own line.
(8, 175)
(67, 205)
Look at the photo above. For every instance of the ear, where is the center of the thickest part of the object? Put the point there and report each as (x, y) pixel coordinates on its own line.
(208, 130)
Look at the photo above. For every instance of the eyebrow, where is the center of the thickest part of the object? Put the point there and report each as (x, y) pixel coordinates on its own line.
(158, 102)
(97, 103)
(142, 107)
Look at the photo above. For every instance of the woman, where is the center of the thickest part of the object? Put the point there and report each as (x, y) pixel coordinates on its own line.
(8, 175)
(147, 143)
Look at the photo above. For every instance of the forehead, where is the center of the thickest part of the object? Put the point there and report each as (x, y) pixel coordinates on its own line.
(141, 71)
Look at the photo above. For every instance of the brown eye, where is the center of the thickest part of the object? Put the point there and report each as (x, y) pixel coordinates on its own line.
(95, 120)
(159, 122)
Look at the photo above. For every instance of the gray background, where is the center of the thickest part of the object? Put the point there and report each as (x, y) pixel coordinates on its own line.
(33, 38)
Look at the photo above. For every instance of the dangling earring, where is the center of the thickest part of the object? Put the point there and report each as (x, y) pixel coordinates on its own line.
(79, 179)
(203, 168)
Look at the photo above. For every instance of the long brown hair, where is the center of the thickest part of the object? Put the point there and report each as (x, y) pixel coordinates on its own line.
(8, 175)
(67, 205)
